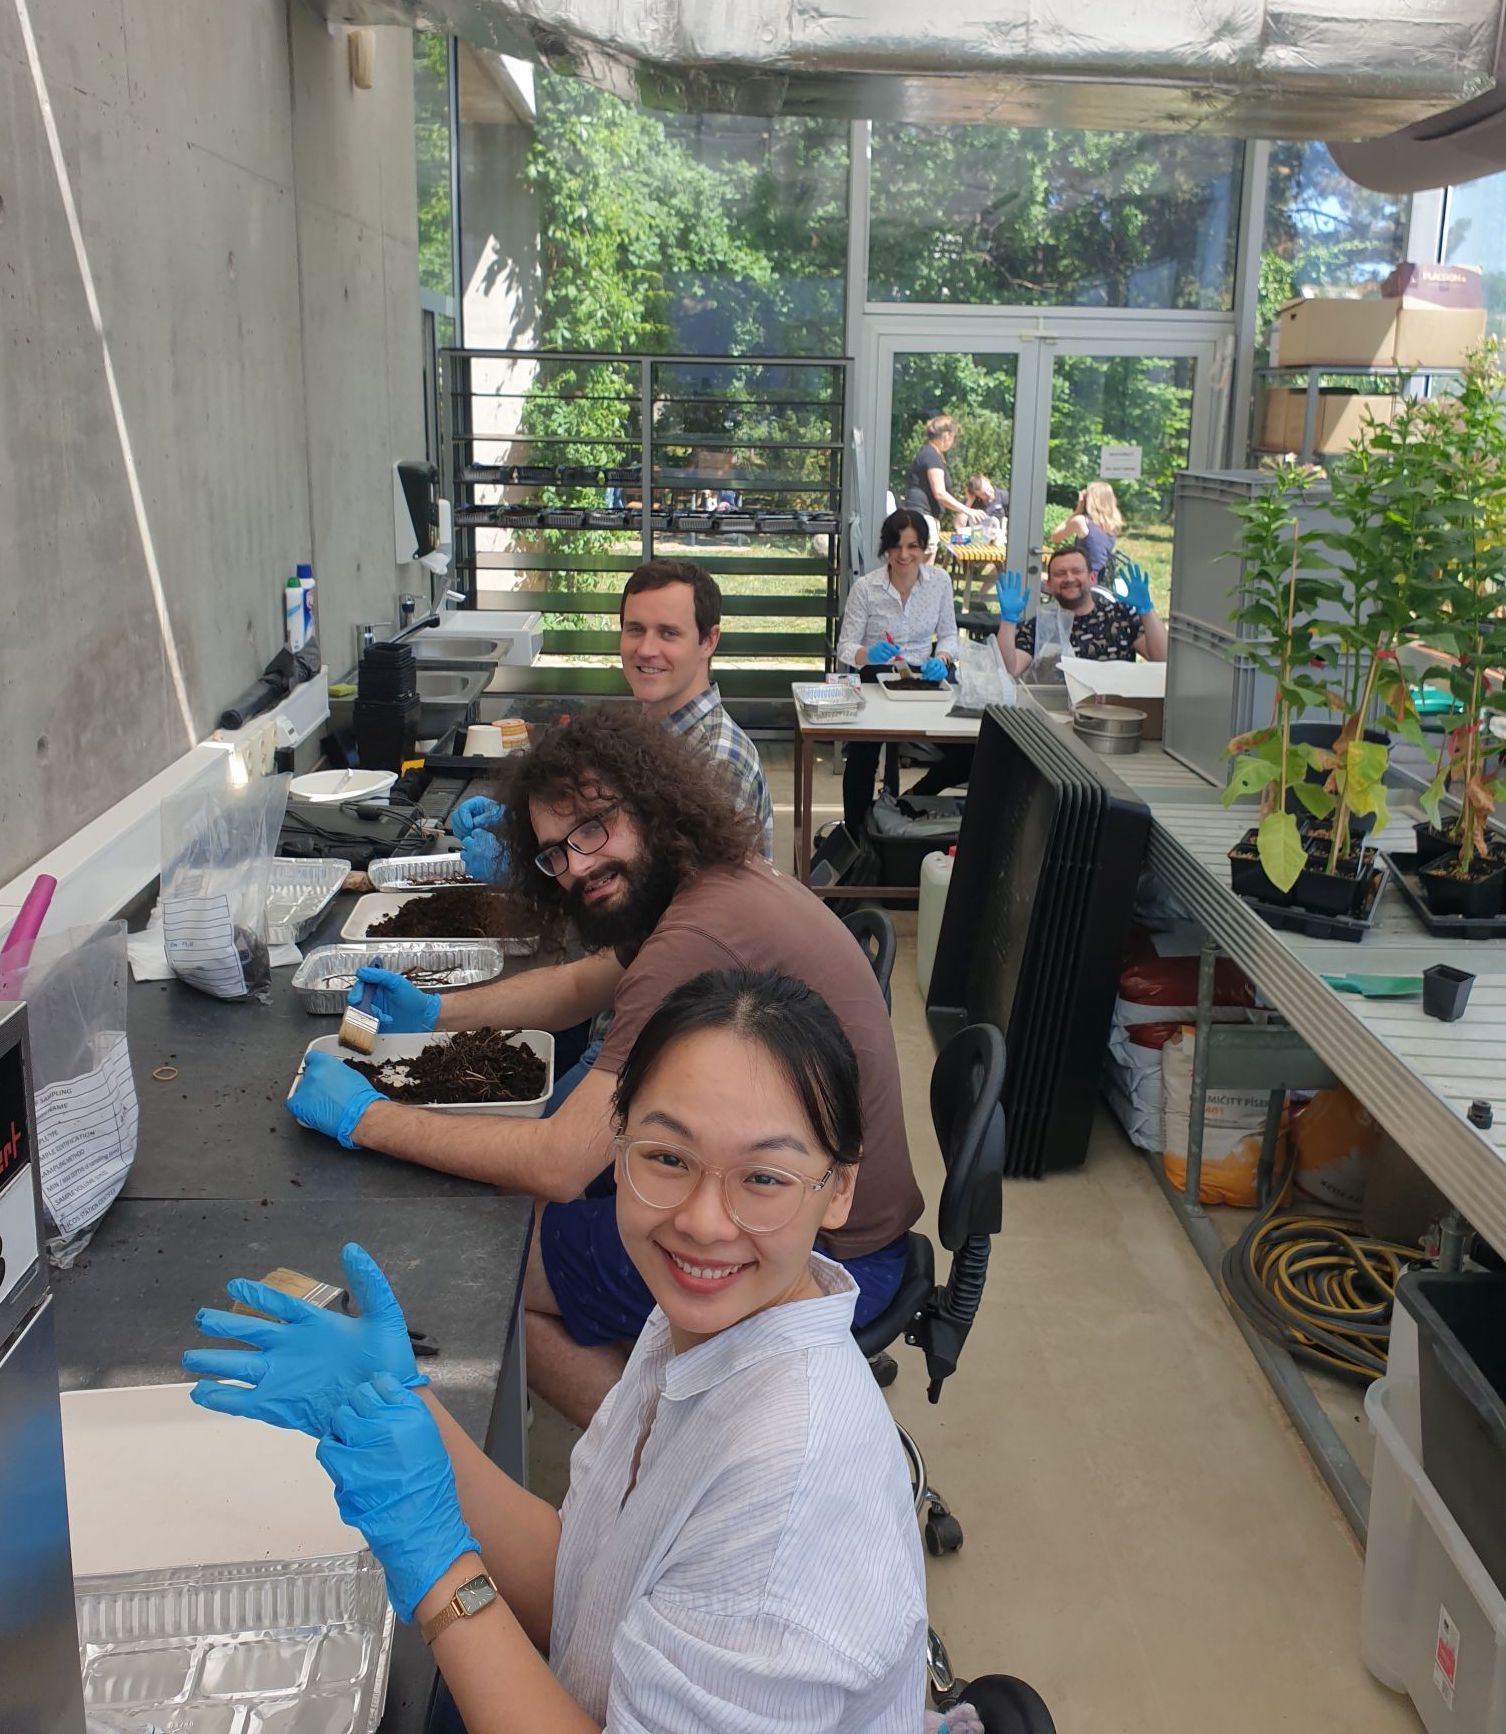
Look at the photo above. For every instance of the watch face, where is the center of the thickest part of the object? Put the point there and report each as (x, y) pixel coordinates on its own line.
(475, 1595)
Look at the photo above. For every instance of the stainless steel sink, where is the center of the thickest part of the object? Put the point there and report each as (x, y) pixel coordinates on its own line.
(446, 694)
(456, 650)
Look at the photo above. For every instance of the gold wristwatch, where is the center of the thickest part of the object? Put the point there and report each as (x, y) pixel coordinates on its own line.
(469, 1599)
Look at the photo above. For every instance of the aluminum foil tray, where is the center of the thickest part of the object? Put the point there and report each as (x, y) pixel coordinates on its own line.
(391, 1051)
(328, 973)
(298, 893)
(297, 1646)
(418, 872)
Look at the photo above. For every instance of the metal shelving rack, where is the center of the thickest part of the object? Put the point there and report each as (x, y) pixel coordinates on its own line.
(1312, 374)
(768, 430)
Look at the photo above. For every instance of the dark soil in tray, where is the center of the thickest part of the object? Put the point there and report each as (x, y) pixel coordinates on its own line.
(473, 1066)
(456, 912)
(909, 683)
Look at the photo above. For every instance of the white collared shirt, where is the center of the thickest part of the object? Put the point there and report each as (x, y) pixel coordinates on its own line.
(874, 608)
(764, 1573)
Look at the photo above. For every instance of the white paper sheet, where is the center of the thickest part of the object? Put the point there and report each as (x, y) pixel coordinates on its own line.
(86, 1136)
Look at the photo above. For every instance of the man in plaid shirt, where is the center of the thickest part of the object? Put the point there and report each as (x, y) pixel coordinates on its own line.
(670, 615)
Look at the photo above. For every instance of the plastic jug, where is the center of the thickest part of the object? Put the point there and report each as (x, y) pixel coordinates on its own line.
(935, 881)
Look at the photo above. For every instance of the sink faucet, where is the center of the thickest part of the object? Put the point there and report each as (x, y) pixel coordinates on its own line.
(451, 599)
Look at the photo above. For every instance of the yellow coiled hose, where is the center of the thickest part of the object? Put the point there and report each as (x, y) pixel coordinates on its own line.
(1318, 1285)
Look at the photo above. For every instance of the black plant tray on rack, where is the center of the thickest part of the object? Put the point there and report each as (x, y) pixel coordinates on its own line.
(606, 518)
(1404, 867)
(561, 518)
(779, 523)
(1351, 928)
(693, 523)
(489, 474)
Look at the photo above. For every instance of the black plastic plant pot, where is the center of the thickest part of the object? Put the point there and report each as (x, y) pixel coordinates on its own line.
(1247, 878)
(1430, 843)
(1480, 897)
(1445, 992)
(1341, 893)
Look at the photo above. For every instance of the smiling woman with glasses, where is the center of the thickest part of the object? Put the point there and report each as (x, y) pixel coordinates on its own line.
(737, 1551)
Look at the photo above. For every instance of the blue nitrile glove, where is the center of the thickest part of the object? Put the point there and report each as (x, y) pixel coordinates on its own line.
(393, 1482)
(484, 857)
(475, 814)
(1132, 587)
(330, 1098)
(880, 655)
(933, 668)
(400, 1008)
(1013, 595)
(307, 1360)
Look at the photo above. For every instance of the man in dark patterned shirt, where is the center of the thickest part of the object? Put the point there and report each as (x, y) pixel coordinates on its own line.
(1103, 628)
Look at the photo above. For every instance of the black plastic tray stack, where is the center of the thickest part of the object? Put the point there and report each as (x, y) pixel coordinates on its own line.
(1035, 927)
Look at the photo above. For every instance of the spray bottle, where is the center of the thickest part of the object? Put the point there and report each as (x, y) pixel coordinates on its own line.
(292, 601)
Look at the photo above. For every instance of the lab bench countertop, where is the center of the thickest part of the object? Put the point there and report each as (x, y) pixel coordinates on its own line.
(226, 1183)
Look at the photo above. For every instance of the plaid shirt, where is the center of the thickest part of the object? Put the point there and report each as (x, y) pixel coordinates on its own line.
(704, 723)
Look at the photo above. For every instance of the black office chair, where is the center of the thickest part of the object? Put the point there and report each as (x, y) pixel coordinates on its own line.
(967, 1086)
(874, 931)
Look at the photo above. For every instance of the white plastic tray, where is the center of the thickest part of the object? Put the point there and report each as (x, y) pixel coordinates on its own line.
(945, 696)
(376, 904)
(388, 1048)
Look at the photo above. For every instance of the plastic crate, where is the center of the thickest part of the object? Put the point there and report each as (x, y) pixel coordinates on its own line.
(1432, 1623)
(1206, 577)
(1210, 697)
(1461, 1363)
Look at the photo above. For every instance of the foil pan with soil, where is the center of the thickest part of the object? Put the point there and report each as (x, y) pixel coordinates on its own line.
(472, 1067)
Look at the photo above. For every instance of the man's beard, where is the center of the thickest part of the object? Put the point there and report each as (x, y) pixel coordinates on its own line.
(648, 887)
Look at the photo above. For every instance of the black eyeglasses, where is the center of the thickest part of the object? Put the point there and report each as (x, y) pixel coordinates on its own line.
(587, 838)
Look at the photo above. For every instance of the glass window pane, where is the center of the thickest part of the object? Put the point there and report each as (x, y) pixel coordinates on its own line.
(713, 234)
(431, 125)
(1126, 400)
(1012, 216)
(1477, 236)
(1324, 233)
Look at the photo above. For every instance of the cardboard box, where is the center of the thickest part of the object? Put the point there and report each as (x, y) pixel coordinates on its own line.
(1458, 286)
(1375, 333)
(1341, 333)
(1341, 415)
(1436, 336)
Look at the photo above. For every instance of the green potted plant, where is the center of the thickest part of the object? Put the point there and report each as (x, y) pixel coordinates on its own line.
(1462, 868)
(1282, 590)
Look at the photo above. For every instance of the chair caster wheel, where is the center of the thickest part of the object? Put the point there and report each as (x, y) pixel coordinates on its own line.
(943, 1533)
(885, 1370)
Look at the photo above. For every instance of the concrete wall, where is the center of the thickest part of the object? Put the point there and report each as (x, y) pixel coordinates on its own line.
(250, 223)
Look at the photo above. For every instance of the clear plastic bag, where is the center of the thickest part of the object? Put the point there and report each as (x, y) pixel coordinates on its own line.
(217, 849)
(81, 1072)
(1053, 641)
(982, 678)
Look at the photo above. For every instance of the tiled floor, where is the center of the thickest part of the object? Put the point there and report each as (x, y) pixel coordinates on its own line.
(1147, 1540)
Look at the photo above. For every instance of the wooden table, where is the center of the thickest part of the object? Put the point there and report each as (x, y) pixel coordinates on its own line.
(882, 719)
(972, 559)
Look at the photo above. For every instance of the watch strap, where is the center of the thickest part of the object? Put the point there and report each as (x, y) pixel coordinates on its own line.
(473, 1595)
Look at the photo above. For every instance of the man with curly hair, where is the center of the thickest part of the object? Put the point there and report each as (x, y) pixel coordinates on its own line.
(626, 836)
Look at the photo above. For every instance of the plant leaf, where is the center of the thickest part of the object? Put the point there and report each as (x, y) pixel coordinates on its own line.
(1320, 802)
(1250, 776)
(1280, 849)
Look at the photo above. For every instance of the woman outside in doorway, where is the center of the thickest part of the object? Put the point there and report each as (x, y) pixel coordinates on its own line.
(900, 612)
(1095, 526)
(738, 1547)
(928, 486)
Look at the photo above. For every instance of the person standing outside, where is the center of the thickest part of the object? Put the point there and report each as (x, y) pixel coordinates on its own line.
(670, 625)
(1103, 628)
(895, 613)
(1095, 527)
(928, 486)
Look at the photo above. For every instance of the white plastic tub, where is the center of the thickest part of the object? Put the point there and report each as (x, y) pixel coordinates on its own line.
(387, 1049)
(1432, 1623)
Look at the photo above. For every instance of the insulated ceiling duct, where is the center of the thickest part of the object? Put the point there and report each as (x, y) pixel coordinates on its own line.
(1273, 68)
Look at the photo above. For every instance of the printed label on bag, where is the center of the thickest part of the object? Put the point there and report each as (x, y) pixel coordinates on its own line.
(1446, 1657)
(86, 1136)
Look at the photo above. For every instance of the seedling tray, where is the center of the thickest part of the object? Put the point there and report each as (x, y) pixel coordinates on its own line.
(1350, 928)
(1404, 868)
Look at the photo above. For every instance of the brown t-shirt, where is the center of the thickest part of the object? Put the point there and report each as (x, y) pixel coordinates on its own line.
(754, 917)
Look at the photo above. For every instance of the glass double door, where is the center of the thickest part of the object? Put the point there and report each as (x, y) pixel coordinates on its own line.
(1042, 416)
